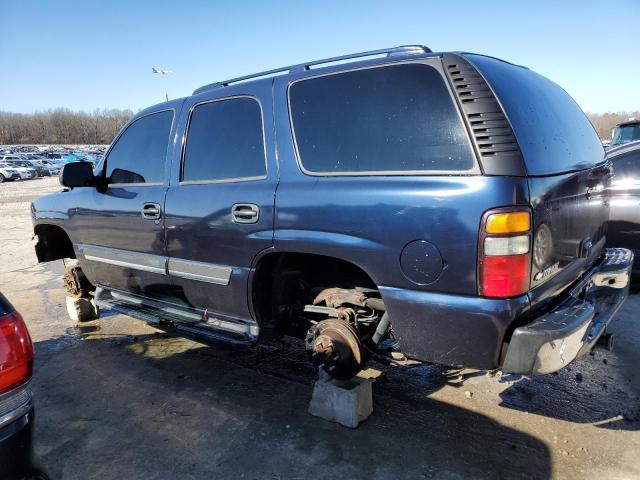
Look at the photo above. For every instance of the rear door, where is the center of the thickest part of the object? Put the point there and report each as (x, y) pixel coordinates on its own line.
(566, 169)
(219, 207)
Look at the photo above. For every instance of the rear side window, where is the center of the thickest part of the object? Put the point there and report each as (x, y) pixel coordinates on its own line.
(139, 153)
(397, 118)
(553, 133)
(225, 142)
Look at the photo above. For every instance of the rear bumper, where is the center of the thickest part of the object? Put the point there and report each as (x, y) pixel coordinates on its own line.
(571, 329)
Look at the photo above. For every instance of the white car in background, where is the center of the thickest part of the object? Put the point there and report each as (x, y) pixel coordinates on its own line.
(8, 173)
(25, 172)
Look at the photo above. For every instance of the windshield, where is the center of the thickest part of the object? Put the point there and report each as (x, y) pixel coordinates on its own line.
(625, 134)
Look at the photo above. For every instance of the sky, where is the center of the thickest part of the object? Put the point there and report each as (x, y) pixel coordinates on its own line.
(88, 54)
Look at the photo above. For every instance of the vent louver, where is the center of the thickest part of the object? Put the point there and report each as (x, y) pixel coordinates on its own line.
(489, 129)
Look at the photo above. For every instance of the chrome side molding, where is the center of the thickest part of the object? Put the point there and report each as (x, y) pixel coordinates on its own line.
(124, 258)
(201, 271)
(163, 265)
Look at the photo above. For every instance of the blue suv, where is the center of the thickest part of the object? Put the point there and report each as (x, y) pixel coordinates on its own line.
(400, 203)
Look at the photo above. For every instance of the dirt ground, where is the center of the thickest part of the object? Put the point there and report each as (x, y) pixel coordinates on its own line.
(116, 398)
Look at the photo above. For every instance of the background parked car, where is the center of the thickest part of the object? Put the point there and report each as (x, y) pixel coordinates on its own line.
(41, 171)
(53, 168)
(8, 173)
(624, 224)
(26, 173)
(625, 132)
(16, 403)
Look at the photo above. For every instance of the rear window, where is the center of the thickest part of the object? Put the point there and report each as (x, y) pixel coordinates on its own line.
(553, 133)
(398, 118)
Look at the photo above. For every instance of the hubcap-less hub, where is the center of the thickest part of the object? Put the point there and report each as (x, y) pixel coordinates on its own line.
(334, 346)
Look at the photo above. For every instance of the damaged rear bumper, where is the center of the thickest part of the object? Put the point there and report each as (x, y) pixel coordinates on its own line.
(571, 329)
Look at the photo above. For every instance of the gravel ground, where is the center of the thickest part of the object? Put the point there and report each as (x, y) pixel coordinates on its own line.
(116, 398)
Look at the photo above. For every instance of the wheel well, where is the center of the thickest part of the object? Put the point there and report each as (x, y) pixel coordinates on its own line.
(283, 281)
(53, 243)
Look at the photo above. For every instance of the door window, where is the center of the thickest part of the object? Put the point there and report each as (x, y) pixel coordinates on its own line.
(139, 153)
(225, 142)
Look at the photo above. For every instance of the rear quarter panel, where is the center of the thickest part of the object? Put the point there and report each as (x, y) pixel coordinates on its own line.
(368, 220)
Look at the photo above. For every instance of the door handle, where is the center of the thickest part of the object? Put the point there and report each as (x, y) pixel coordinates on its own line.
(151, 211)
(245, 213)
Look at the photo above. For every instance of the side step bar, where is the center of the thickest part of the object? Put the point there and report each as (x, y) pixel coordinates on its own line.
(163, 315)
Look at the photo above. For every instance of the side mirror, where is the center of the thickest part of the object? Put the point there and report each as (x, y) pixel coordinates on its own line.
(77, 174)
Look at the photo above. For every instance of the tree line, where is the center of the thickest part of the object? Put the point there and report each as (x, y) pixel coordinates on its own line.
(62, 126)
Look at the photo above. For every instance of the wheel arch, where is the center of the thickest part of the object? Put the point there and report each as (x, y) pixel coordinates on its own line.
(53, 243)
(279, 278)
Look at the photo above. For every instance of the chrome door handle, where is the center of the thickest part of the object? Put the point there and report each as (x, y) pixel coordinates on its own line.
(245, 213)
(151, 211)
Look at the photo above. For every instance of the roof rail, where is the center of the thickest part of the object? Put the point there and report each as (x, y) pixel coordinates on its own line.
(403, 49)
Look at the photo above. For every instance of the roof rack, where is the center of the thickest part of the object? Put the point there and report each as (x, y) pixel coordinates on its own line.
(403, 49)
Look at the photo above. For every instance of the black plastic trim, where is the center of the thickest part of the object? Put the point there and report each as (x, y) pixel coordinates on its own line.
(493, 140)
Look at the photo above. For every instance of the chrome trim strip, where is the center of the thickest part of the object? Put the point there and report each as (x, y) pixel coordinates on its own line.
(125, 258)
(189, 269)
(225, 180)
(204, 272)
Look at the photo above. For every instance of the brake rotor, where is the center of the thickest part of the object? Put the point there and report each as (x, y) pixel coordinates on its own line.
(334, 346)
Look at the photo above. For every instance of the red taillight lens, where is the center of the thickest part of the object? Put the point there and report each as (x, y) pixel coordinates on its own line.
(504, 277)
(504, 252)
(16, 352)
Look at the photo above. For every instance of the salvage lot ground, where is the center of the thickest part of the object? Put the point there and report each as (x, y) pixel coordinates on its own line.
(116, 398)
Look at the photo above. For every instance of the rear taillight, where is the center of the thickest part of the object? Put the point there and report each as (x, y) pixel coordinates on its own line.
(16, 352)
(504, 253)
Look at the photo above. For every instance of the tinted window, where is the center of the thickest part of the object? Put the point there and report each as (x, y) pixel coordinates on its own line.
(138, 155)
(625, 134)
(225, 141)
(394, 118)
(553, 133)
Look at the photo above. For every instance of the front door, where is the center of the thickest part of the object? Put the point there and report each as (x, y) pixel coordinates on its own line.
(219, 207)
(118, 230)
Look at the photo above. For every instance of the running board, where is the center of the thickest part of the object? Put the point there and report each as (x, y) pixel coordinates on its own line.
(162, 315)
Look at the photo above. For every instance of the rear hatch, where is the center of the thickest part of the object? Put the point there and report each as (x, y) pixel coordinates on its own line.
(567, 174)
